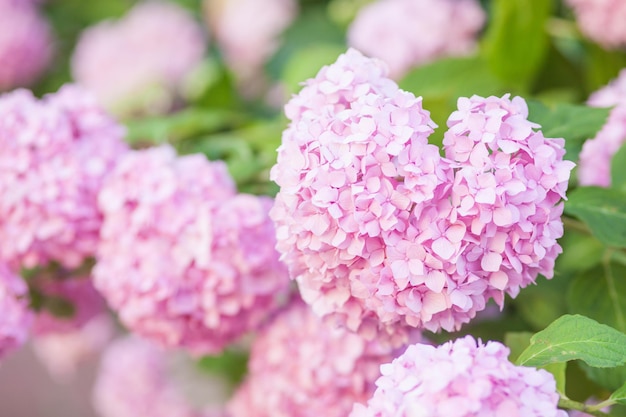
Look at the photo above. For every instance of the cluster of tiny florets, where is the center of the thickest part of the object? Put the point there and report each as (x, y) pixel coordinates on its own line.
(460, 379)
(422, 31)
(147, 55)
(595, 157)
(183, 259)
(25, 44)
(301, 367)
(54, 154)
(15, 317)
(381, 232)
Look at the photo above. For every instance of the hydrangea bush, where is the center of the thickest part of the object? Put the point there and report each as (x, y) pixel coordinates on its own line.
(433, 224)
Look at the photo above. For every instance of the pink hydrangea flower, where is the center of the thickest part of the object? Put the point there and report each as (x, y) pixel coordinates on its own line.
(135, 380)
(247, 31)
(461, 379)
(183, 259)
(383, 234)
(15, 317)
(62, 343)
(408, 33)
(25, 44)
(596, 155)
(300, 367)
(601, 20)
(54, 154)
(147, 55)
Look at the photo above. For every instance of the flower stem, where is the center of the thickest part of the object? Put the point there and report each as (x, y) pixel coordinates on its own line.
(575, 405)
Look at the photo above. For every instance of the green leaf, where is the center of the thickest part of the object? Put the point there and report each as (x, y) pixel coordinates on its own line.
(306, 63)
(576, 337)
(539, 305)
(574, 123)
(231, 364)
(608, 378)
(516, 41)
(619, 396)
(618, 169)
(518, 341)
(600, 293)
(603, 210)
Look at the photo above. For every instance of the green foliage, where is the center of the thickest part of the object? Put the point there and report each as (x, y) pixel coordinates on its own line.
(618, 170)
(573, 337)
(231, 364)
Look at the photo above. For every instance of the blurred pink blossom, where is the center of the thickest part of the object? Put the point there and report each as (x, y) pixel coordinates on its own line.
(15, 317)
(382, 233)
(601, 20)
(247, 32)
(139, 63)
(135, 380)
(408, 33)
(463, 378)
(596, 155)
(300, 367)
(25, 44)
(54, 154)
(183, 259)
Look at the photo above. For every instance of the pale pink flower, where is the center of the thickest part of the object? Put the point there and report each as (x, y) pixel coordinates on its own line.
(383, 234)
(601, 20)
(135, 380)
(301, 367)
(408, 33)
(25, 44)
(247, 31)
(597, 153)
(463, 378)
(54, 154)
(15, 317)
(183, 259)
(139, 63)
(62, 343)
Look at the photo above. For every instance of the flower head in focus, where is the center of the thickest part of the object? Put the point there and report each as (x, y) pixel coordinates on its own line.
(596, 155)
(382, 233)
(25, 44)
(463, 378)
(183, 259)
(54, 154)
(601, 20)
(15, 316)
(408, 33)
(147, 55)
(301, 367)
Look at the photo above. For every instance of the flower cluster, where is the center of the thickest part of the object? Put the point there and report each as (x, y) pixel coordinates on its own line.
(461, 379)
(381, 232)
(134, 380)
(183, 259)
(300, 367)
(596, 155)
(15, 318)
(64, 341)
(25, 44)
(247, 32)
(601, 20)
(422, 30)
(147, 56)
(54, 154)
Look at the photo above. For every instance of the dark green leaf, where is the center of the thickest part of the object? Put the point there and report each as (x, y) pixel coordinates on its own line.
(603, 210)
(516, 41)
(574, 337)
(574, 123)
(608, 378)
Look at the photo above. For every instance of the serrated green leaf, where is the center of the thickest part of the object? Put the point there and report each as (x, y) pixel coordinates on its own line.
(600, 293)
(618, 169)
(572, 337)
(603, 210)
(516, 41)
(574, 123)
(518, 341)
